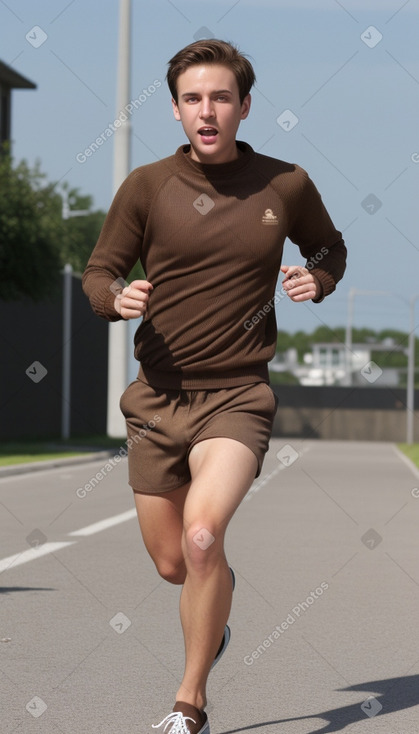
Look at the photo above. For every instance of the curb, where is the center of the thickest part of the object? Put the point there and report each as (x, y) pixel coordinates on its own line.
(403, 457)
(34, 466)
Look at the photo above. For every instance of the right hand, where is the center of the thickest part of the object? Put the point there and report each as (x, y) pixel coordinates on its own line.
(132, 302)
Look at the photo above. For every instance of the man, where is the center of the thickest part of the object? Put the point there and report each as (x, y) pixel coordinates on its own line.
(208, 225)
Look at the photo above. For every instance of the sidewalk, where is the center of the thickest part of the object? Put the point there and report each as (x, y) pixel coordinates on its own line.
(35, 466)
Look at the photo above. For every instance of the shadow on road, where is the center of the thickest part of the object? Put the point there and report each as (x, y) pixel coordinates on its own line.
(9, 589)
(392, 694)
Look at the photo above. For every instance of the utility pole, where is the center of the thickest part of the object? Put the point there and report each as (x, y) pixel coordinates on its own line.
(348, 338)
(348, 333)
(118, 331)
(66, 369)
(67, 213)
(410, 401)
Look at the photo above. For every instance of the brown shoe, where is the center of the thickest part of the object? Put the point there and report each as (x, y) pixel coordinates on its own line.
(185, 719)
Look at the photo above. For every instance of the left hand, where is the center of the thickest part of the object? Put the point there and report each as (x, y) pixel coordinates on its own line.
(300, 284)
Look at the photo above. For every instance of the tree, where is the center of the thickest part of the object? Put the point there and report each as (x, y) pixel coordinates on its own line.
(35, 241)
(326, 334)
(81, 233)
(29, 251)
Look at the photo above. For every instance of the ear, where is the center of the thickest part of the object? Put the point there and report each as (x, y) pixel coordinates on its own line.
(246, 107)
(175, 110)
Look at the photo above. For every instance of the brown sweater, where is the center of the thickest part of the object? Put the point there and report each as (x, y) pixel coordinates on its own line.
(210, 239)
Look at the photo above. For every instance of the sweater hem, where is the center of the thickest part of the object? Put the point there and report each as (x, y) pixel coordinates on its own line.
(202, 380)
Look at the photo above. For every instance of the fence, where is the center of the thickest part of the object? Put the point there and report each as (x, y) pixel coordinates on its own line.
(31, 368)
(31, 383)
(345, 413)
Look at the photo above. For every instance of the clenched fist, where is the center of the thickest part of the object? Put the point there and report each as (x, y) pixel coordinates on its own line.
(132, 302)
(299, 283)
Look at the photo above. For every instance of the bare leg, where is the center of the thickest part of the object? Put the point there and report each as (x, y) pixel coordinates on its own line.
(191, 549)
(222, 471)
(161, 522)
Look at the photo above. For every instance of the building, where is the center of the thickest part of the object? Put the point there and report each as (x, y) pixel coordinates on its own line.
(9, 79)
(327, 364)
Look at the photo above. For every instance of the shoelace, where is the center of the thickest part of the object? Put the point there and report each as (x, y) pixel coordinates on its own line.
(178, 721)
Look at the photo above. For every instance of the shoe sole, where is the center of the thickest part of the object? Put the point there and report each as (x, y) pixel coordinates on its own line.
(226, 640)
(227, 631)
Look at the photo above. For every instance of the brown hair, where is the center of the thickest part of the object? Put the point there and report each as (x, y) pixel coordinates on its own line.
(212, 51)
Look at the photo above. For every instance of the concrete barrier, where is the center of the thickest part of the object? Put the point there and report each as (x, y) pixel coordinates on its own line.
(344, 413)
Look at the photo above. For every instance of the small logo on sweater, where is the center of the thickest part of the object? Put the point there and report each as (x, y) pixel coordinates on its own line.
(203, 204)
(269, 217)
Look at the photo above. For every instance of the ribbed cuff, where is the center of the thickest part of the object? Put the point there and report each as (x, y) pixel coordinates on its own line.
(326, 281)
(102, 304)
(109, 309)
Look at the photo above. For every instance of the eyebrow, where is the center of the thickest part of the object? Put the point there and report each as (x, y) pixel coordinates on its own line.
(217, 91)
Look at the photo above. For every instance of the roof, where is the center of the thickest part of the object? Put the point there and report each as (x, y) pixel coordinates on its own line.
(11, 78)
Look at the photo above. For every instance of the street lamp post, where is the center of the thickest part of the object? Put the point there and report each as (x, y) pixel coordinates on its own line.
(410, 397)
(118, 330)
(348, 334)
(348, 337)
(67, 213)
(410, 390)
(66, 368)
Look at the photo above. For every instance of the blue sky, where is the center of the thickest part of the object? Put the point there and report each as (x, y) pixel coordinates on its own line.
(349, 71)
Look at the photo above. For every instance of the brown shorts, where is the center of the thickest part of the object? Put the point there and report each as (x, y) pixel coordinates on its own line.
(163, 425)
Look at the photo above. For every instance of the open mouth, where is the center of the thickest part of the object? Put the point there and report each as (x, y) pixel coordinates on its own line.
(208, 132)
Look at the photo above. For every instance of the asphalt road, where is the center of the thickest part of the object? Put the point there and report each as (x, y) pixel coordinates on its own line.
(324, 620)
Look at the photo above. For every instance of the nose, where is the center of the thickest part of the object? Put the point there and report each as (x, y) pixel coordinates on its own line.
(207, 109)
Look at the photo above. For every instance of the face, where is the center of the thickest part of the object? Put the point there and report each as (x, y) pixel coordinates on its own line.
(210, 111)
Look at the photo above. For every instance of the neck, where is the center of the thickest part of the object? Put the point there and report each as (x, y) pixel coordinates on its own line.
(224, 157)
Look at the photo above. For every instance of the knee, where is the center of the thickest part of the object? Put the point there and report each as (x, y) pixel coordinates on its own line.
(203, 544)
(171, 572)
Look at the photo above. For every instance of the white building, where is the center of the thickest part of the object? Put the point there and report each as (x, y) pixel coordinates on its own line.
(327, 364)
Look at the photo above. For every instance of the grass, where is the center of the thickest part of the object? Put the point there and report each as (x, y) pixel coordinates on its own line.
(411, 451)
(22, 452)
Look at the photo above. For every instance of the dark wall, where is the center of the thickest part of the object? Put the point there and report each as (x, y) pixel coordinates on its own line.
(89, 386)
(343, 413)
(32, 332)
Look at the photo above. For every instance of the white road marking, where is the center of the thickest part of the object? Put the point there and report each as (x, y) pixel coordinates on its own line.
(97, 527)
(32, 554)
(266, 478)
(405, 459)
